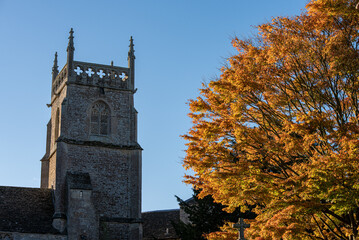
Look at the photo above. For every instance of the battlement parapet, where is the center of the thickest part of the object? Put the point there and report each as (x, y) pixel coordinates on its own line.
(101, 75)
(94, 75)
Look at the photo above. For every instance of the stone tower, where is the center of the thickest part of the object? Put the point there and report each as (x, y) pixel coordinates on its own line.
(93, 160)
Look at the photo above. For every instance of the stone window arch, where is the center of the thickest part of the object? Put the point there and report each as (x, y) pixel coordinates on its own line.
(100, 119)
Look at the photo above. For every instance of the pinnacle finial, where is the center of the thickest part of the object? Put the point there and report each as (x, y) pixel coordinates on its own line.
(70, 46)
(131, 51)
(70, 52)
(55, 70)
(131, 42)
(55, 62)
(131, 63)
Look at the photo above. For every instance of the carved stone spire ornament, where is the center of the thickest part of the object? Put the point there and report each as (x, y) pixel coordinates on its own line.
(55, 69)
(70, 52)
(131, 62)
(131, 51)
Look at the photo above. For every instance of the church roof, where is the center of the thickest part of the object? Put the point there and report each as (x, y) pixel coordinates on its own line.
(158, 224)
(26, 210)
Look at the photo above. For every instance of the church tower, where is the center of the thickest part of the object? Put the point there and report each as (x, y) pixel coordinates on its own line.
(93, 160)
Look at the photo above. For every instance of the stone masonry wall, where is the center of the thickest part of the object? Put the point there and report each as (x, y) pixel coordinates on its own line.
(52, 171)
(114, 174)
(114, 170)
(30, 236)
(82, 215)
(76, 124)
(56, 106)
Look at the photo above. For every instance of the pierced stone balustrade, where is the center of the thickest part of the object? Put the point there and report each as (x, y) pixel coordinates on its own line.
(101, 75)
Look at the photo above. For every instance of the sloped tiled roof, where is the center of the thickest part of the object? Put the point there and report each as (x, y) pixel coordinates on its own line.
(158, 224)
(26, 210)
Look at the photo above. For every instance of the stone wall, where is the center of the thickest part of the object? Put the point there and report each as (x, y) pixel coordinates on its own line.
(57, 102)
(76, 119)
(115, 176)
(30, 236)
(82, 215)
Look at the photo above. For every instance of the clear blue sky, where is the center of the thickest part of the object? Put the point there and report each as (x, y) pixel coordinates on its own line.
(178, 43)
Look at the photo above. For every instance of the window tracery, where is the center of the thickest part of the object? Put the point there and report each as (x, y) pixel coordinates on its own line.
(100, 119)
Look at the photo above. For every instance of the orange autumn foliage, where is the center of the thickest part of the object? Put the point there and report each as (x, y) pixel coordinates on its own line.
(280, 128)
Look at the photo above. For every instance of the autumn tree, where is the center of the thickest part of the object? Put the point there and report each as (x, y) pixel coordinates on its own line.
(279, 128)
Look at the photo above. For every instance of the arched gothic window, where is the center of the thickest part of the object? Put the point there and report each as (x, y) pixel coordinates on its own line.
(100, 119)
